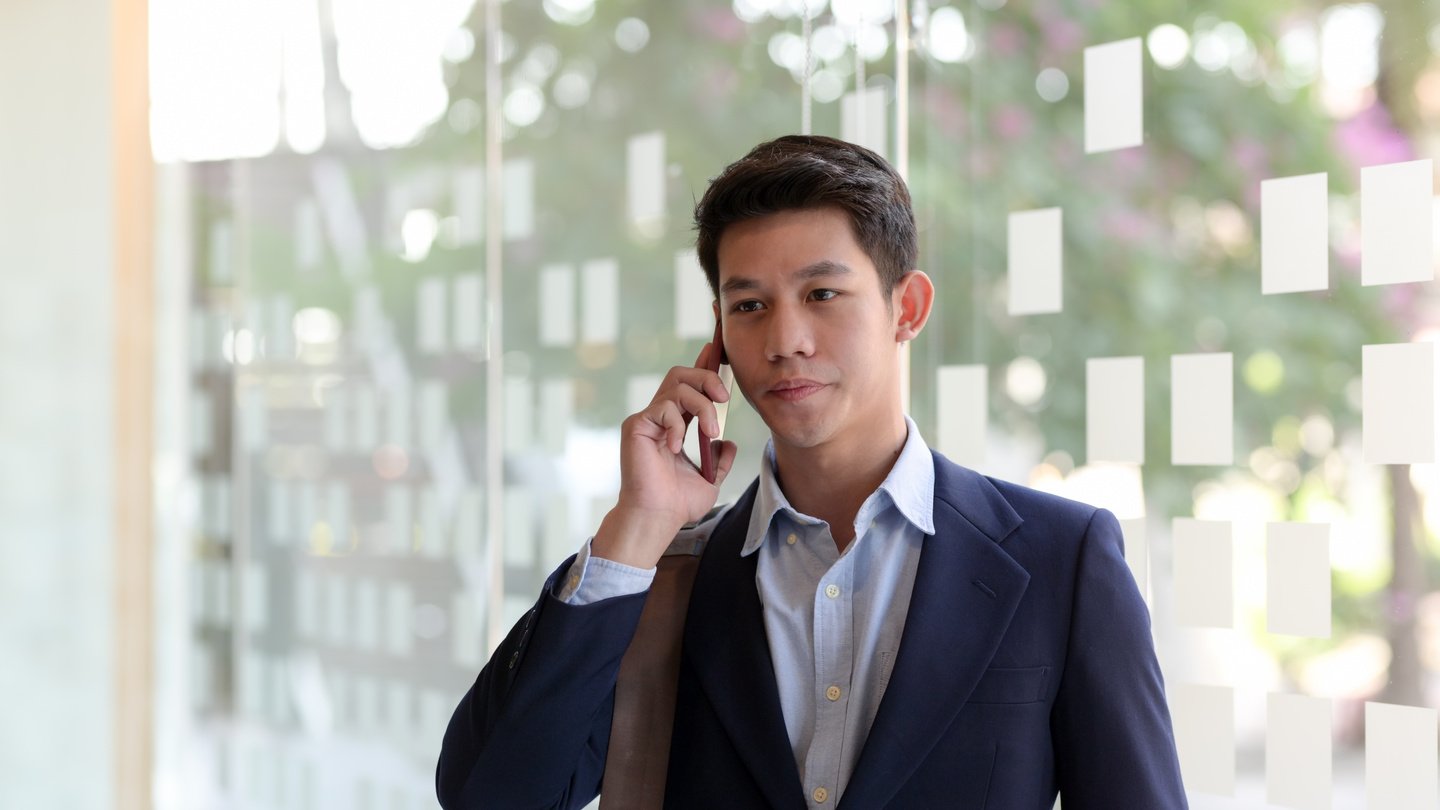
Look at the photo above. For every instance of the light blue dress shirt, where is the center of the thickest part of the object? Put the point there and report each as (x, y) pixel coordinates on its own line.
(833, 621)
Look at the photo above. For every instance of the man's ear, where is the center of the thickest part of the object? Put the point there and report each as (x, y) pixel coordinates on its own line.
(911, 299)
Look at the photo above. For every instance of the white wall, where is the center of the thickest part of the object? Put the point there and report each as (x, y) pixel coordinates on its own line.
(55, 404)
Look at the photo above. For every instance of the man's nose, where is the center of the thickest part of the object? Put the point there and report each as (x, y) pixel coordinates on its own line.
(789, 334)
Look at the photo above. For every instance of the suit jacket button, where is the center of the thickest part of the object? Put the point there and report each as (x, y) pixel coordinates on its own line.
(514, 659)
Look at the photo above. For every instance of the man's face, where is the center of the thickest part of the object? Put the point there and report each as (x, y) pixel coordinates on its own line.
(811, 340)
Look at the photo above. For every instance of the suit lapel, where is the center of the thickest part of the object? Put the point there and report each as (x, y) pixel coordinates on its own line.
(725, 643)
(966, 591)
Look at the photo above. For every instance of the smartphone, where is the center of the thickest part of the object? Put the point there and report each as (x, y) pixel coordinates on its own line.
(720, 364)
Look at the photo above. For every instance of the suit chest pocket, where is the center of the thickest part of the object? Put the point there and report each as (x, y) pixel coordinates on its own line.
(1011, 685)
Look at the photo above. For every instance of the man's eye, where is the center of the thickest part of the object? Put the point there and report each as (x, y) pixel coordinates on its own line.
(747, 306)
(824, 295)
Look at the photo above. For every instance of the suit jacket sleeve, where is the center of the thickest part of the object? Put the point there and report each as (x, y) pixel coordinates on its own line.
(1114, 746)
(533, 730)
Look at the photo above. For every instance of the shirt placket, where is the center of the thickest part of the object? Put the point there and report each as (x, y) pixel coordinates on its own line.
(834, 672)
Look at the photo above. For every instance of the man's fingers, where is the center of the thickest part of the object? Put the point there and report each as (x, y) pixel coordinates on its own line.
(725, 452)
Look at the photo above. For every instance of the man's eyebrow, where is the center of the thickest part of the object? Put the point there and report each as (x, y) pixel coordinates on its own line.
(821, 269)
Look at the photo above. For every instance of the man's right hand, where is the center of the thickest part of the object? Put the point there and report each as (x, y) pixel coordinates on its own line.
(661, 489)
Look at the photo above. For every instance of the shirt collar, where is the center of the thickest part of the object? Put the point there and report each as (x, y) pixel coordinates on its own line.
(910, 487)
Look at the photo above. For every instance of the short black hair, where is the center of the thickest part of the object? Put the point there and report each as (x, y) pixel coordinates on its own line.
(813, 171)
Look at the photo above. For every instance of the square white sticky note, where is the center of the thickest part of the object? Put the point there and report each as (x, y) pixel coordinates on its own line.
(430, 327)
(1397, 410)
(518, 181)
(694, 316)
(645, 182)
(1297, 579)
(1298, 762)
(1114, 96)
(1137, 553)
(1400, 757)
(962, 412)
(1115, 409)
(1204, 573)
(1034, 260)
(557, 305)
(863, 119)
(1397, 223)
(469, 311)
(1202, 406)
(600, 301)
(1205, 736)
(1295, 234)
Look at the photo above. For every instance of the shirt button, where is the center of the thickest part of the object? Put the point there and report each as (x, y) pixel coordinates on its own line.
(791, 539)
(832, 591)
(833, 693)
(820, 795)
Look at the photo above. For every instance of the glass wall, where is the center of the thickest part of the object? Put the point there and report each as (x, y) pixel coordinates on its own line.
(444, 253)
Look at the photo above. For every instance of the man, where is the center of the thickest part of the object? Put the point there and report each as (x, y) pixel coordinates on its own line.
(871, 625)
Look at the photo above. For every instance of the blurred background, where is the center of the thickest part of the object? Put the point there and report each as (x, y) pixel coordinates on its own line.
(318, 319)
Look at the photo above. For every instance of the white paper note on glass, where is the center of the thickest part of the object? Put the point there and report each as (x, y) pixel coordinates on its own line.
(645, 182)
(1114, 96)
(1400, 757)
(1397, 223)
(1298, 762)
(1115, 410)
(1034, 259)
(518, 181)
(557, 305)
(1297, 579)
(600, 301)
(1397, 410)
(863, 119)
(1295, 234)
(1202, 405)
(1205, 736)
(694, 316)
(963, 413)
(1204, 573)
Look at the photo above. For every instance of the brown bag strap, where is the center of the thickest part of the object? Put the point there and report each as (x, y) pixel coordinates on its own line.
(639, 752)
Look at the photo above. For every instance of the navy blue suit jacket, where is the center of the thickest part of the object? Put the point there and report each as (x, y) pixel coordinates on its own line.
(1026, 667)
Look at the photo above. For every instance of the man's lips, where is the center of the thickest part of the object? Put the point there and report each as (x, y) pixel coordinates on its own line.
(795, 390)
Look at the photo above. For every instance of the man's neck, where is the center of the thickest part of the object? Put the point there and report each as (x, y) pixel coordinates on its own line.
(832, 481)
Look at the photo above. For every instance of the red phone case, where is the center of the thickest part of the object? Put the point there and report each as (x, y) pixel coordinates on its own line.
(713, 363)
